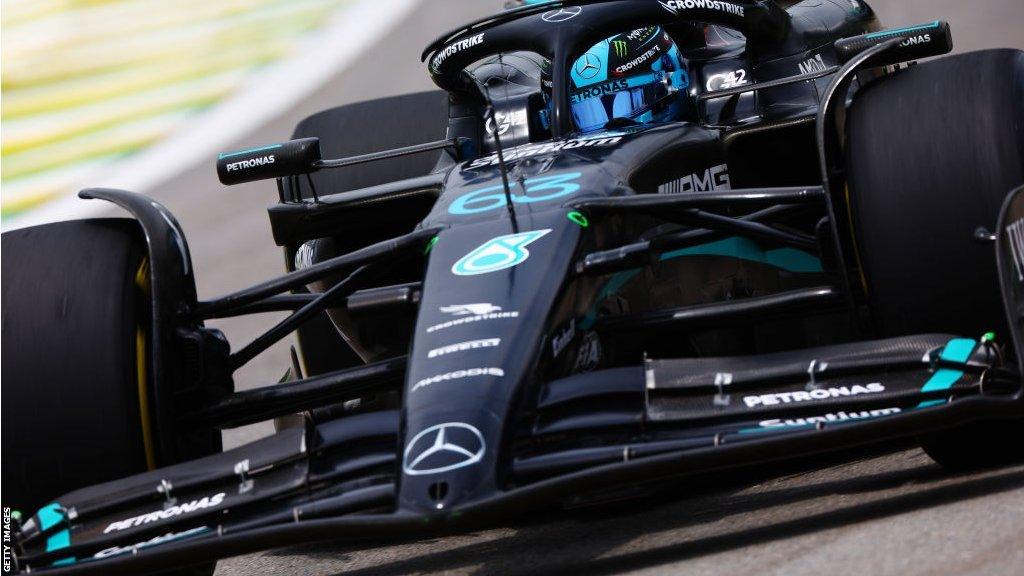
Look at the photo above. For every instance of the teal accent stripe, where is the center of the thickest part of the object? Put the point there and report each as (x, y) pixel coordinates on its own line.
(788, 259)
(59, 540)
(49, 516)
(957, 350)
(899, 31)
(248, 151)
(943, 379)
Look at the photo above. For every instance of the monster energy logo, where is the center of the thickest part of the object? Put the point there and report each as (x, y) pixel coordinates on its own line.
(621, 48)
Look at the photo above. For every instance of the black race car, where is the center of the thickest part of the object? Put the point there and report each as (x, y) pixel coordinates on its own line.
(559, 279)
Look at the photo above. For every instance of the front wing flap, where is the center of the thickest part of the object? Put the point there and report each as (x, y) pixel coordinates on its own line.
(591, 432)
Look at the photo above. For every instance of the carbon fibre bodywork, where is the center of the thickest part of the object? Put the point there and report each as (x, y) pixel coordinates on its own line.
(636, 312)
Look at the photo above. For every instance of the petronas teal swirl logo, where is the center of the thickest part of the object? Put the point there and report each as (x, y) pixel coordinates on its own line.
(498, 254)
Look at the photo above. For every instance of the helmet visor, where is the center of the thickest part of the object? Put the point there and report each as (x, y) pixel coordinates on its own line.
(594, 107)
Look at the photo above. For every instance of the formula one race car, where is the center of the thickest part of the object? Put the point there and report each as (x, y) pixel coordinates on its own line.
(631, 240)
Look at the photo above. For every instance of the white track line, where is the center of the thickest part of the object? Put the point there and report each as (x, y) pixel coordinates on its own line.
(268, 94)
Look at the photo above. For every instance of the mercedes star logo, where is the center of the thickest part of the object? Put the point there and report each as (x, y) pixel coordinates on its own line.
(443, 448)
(588, 66)
(562, 14)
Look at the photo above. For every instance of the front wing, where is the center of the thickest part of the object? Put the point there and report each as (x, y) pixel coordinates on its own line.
(592, 432)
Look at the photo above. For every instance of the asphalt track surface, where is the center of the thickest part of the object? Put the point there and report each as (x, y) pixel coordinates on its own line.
(891, 514)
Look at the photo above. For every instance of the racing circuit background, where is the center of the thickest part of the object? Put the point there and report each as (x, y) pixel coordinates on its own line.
(142, 94)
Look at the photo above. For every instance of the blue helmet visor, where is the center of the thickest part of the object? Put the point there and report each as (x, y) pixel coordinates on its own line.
(593, 108)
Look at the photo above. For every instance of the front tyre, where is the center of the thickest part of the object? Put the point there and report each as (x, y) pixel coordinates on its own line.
(976, 445)
(71, 318)
(933, 152)
(74, 378)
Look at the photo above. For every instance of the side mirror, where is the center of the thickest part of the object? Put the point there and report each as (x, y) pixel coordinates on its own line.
(266, 162)
(922, 41)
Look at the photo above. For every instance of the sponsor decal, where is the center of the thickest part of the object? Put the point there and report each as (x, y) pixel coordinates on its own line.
(642, 34)
(467, 309)
(497, 315)
(537, 190)
(714, 178)
(811, 395)
(304, 255)
(556, 16)
(169, 537)
(251, 163)
(621, 48)
(562, 339)
(443, 448)
(828, 418)
(530, 150)
(598, 90)
(588, 355)
(727, 80)
(674, 6)
(915, 40)
(454, 48)
(814, 64)
(498, 254)
(1015, 238)
(588, 66)
(464, 347)
(457, 375)
(171, 512)
(506, 121)
(639, 60)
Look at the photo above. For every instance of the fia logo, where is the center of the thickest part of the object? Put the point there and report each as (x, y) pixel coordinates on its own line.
(498, 254)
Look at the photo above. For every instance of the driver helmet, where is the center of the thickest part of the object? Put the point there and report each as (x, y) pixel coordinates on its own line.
(631, 78)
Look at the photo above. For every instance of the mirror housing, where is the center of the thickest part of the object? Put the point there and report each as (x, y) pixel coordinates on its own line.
(290, 158)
